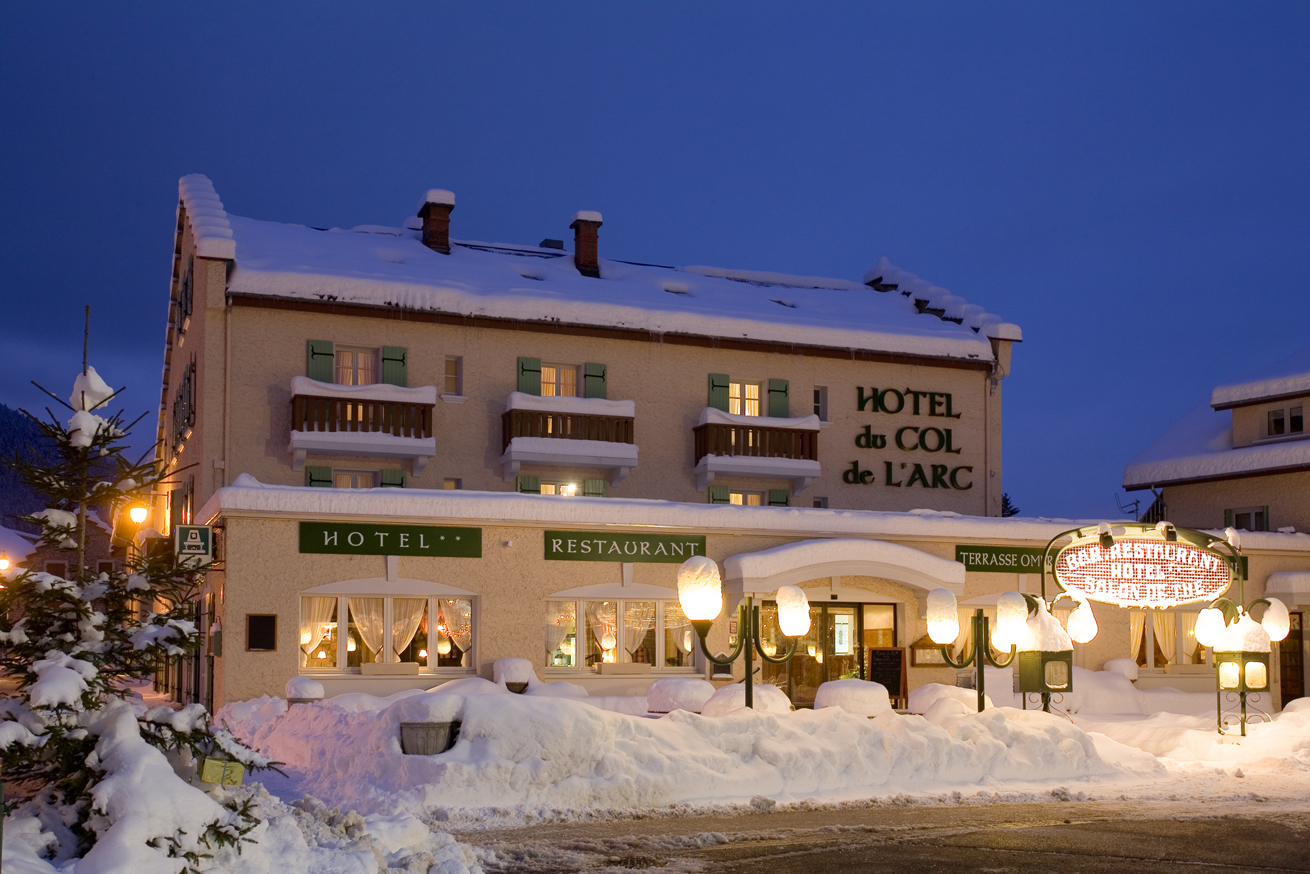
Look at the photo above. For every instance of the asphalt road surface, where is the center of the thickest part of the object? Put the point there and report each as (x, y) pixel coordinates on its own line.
(1068, 838)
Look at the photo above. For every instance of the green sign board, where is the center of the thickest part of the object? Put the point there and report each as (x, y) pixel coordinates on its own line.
(1001, 559)
(358, 538)
(194, 544)
(607, 546)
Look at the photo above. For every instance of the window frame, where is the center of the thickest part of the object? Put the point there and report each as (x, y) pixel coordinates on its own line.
(821, 402)
(342, 669)
(452, 483)
(457, 376)
(1181, 657)
(375, 351)
(376, 476)
(762, 495)
(558, 368)
(579, 668)
(1261, 512)
(740, 385)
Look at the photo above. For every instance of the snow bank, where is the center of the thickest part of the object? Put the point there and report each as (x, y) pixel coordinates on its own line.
(859, 697)
(511, 670)
(376, 391)
(678, 693)
(515, 750)
(578, 406)
(715, 416)
(766, 698)
(305, 687)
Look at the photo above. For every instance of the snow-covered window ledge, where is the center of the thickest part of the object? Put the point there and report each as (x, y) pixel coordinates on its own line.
(370, 421)
(592, 433)
(756, 446)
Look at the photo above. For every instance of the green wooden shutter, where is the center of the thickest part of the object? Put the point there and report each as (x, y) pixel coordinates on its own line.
(779, 403)
(530, 376)
(394, 361)
(529, 485)
(394, 479)
(320, 358)
(1228, 518)
(593, 376)
(1265, 513)
(719, 391)
(318, 476)
(779, 498)
(593, 488)
(720, 495)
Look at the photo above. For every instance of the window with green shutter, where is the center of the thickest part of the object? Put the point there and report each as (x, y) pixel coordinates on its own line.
(321, 357)
(779, 498)
(394, 365)
(319, 477)
(593, 488)
(720, 495)
(719, 392)
(529, 485)
(594, 377)
(393, 479)
(530, 376)
(779, 403)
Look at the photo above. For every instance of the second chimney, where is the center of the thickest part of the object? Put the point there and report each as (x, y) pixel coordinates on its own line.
(586, 242)
(435, 210)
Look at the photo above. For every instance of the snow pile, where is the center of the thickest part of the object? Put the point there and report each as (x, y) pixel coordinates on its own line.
(305, 687)
(374, 391)
(860, 697)
(678, 693)
(514, 671)
(766, 698)
(515, 751)
(89, 391)
(580, 406)
(715, 416)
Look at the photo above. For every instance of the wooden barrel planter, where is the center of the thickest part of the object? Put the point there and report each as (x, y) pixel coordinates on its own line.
(427, 738)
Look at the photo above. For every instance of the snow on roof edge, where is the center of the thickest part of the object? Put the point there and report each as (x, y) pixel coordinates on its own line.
(207, 217)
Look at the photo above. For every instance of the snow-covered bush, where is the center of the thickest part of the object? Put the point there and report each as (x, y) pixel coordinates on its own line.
(75, 645)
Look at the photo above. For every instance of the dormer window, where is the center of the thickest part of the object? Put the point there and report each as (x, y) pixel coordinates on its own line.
(1280, 422)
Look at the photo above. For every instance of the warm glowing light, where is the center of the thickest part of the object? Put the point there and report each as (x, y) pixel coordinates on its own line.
(1257, 676)
(700, 590)
(1228, 675)
(443, 646)
(422, 653)
(1209, 626)
(566, 648)
(306, 638)
(793, 611)
(770, 648)
(1276, 620)
(1011, 620)
(320, 654)
(4, 562)
(138, 514)
(1082, 622)
(943, 616)
(608, 640)
(350, 645)
(818, 657)
(811, 649)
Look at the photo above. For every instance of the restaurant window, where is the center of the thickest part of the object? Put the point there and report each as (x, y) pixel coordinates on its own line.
(835, 647)
(343, 632)
(1158, 638)
(581, 634)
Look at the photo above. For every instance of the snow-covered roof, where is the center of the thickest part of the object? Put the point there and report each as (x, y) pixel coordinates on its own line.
(1199, 446)
(1286, 378)
(390, 267)
(248, 495)
(15, 546)
(208, 219)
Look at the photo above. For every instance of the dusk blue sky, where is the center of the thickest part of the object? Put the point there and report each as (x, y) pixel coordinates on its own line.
(1126, 181)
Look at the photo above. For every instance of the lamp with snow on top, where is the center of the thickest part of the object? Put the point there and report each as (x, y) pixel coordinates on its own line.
(700, 593)
(944, 628)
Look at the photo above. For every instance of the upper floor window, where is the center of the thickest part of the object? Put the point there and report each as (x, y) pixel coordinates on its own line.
(821, 402)
(741, 397)
(750, 497)
(353, 479)
(345, 478)
(1279, 422)
(744, 398)
(532, 485)
(1247, 518)
(559, 380)
(355, 366)
(454, 384)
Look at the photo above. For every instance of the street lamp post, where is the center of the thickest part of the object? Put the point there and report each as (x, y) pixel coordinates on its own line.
(700, 593)
(944, 628)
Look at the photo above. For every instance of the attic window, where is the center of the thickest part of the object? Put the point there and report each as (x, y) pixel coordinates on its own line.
(786, 303)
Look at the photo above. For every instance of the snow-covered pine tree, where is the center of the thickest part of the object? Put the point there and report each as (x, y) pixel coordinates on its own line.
(96, 761)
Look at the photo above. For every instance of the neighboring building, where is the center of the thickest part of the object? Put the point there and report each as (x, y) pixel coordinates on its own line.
(421, 455)
(1242, 460)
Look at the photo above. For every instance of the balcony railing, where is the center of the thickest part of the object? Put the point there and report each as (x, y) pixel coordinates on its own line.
(330, 415)
(745, 440)
(566, 426)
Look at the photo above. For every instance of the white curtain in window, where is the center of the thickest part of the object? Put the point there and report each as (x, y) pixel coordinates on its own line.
(1062, 615)
(1165, 627)
(1188, 632)
(560, 620)
(315, 619)
(407, 616)
(457, 616)
(678, 627)
(638, 619)
(367, 614)
(1136, 626)
(965, 637)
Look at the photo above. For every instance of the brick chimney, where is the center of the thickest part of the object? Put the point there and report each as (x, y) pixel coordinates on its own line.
(586, 246)
(435, 210)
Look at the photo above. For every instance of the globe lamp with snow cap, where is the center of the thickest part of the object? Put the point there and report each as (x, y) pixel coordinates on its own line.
(700, 594)
(1045, 655)
(943, 619)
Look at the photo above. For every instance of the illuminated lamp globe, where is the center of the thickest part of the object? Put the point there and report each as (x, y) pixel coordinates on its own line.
(138, 514)
(320, 655)
(608, 640)
(943, 616)
(1244, 635)
(351, 646)
(443, 646)
(1276, 621)
(793, 611)
(1209, 626)
(1082, 626)
(700, 590)
(422, 653)
(1011, 620)
(306, 638)
(4, 562)
(1043, 633)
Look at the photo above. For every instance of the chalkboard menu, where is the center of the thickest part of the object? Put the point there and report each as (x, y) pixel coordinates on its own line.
(887, 666)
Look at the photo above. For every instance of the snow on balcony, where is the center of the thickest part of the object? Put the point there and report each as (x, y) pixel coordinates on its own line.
(370, 421)
(756, 446)
(592, 433)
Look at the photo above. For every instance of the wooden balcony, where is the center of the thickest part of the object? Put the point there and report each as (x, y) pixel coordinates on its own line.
(333, 415)
(745, 440)
(566, 426)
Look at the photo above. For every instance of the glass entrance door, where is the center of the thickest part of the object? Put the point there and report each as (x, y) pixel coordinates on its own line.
(834, 648)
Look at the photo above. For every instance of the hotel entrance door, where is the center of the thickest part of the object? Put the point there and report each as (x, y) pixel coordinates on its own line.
(834, 648)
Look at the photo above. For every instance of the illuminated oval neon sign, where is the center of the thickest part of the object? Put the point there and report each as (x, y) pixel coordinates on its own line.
(1143, 572)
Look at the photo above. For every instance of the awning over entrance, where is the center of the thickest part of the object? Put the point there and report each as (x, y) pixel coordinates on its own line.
(763, 572)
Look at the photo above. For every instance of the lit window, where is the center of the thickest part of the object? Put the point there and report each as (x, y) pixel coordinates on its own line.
(559, 380)
(744, 398)
(746, 499)
(454, 375)
(430, 632)
(356, 366)
(567, 490)
(1164, 637)
(449, 483)
(354, 479)
(655, 633)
